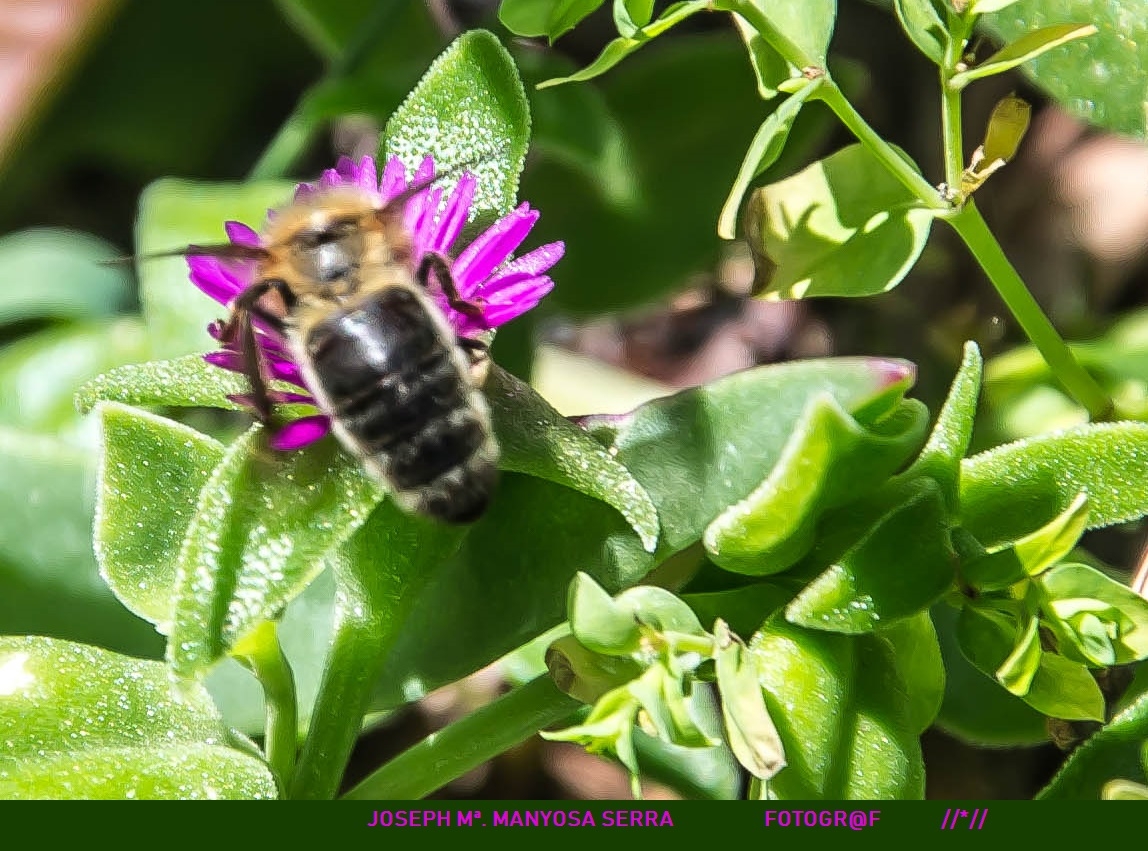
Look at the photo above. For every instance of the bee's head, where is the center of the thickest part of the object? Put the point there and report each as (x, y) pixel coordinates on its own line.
(330, 252)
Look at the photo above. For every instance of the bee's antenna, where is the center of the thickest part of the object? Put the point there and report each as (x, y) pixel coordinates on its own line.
(223, 250)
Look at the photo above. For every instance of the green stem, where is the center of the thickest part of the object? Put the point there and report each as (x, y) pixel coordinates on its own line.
(262, 654)
(358, 653)
(295, 134)
(952, 136)
(833, 97)
(468, 743)
(379, 574)
(897, 164)
(975, 233)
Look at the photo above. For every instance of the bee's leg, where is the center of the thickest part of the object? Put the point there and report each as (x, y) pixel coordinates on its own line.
(240, 329)
(441, 267)
(479, 354)
(253, 365)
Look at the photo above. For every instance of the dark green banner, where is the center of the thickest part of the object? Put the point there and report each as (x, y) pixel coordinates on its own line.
(856, 824)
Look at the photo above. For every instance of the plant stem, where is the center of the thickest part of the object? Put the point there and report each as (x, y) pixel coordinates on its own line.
(897, 164)
(295, 134)
(262, 654)
(951, 131)
(975, 233)
(967, 221)
(379, 573)
(833, 97)
(358, 652)
(467, 743)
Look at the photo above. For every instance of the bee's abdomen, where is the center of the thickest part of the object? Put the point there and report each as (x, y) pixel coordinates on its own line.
(400, 398)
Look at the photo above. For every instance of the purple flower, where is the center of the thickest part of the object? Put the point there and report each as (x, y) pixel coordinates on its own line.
(485, 272)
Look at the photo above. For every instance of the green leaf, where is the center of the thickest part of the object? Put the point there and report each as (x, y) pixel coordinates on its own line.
(469, 110)
(1114, 751)
(917, 655)
(150, 473)
(808, 24)
(1016, 673)
(1027, 47)
(840, 215)
(749, 730)
(1032, 554)
(701, 450)
(987, 636)
(631, 15)
(305, 635)
(172, 215)
(550, 18)
(1065, 689)
(1108, 462)
(829, 458)
(49, 578)
(1060, 688)
(763, 152)
(52, 273)
(501, 590)
(984, 7)
(975, 708)
(1124, 790)
(507, 583)
(537, 440)
(188, 381)
(586, 674)
(598, 623)
(1085, 606)
(666, 703)
(1100, 79)
(898, 569)
(529, 18)
(39, 373)
(621, 47)
(843, 712)
(263, 528)
(940, 460)
(769, 68)
(137, 738)
(925, 26)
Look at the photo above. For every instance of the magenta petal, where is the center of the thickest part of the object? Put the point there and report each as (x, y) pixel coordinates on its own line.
(300, 432)
(368, 177)
(455, 215)
(535, 262)
(285, 370)
(394, 178)
(241, 234)
(213, 279)
(492, 248)
(425, 172)
(525, 297)
(225, 360)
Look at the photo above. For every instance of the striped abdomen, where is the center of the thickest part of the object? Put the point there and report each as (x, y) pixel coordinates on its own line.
(398, 391)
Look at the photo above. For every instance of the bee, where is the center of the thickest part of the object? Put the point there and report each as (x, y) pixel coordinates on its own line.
(335, 278)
